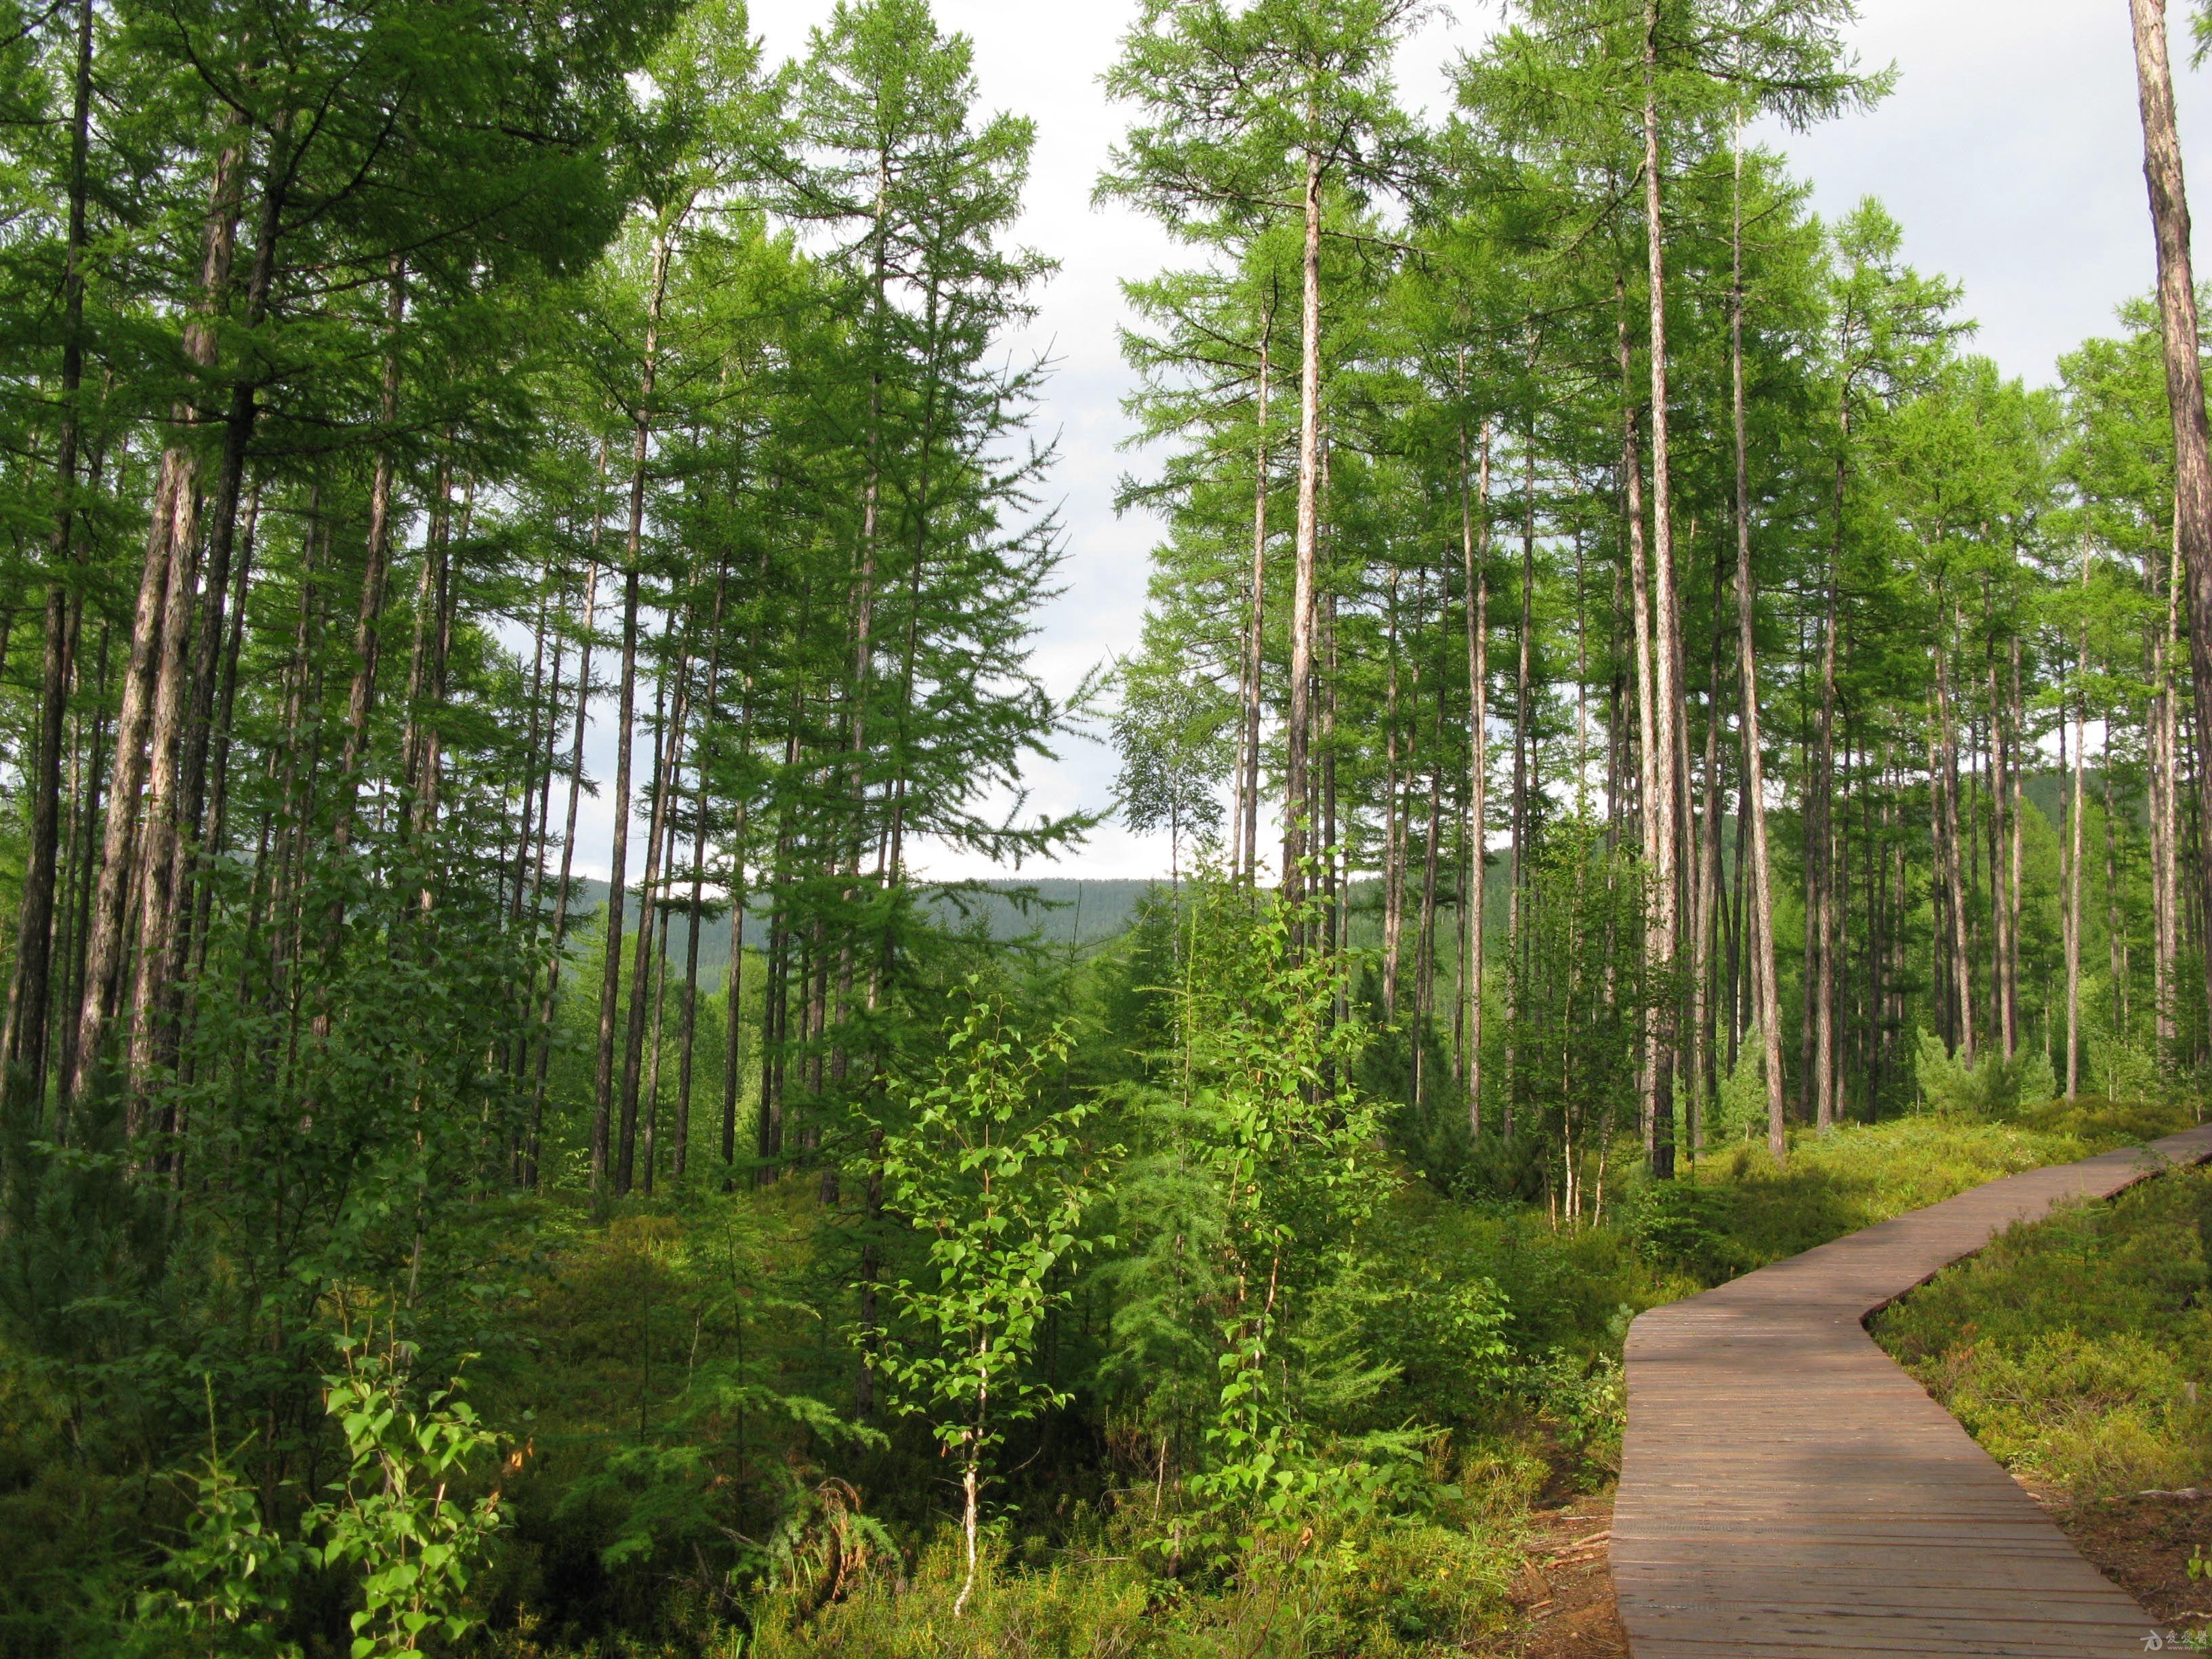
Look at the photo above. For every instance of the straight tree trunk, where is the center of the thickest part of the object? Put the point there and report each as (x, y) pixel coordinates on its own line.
(1704, 1077)
(1960, 962)
(2003, 806)
(1819, 832)
(1424, 961)
(367, 627)
(536, 848)
(84, 831)
(165, 947)
(1393, 817)
(1732, 911)
(1667, 735)
(213, 841)
(175, 494)
(1518, 917)
(688, 1029)
(2185, 386)
(2167, 815)
(23, 1043)
(160, 830)
(626, 720)
(734, 990)
(1766, 986)
(1475, 554)
(429, 609)
(1836, 957)
(557, 955)
(1335, 868)
(649, 1110)
(1639, 586)
(2018, 722)
(1256, 624)
(2115, 924)
(648, 966)
(2074, 839)
(1303, 600)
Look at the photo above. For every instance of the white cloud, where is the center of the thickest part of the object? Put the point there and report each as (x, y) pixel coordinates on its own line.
(2011, 154)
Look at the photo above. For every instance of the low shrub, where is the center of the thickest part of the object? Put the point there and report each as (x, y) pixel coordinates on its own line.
(2079, 1349)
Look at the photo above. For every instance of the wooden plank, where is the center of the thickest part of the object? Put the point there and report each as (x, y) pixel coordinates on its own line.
(1787, 1492)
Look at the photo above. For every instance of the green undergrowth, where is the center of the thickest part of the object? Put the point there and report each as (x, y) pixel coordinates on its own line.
(1076, 1572)
(685, 1479)
(1434, 1587)
(2078, 1349)
(1736, 1212)
(663, 1351)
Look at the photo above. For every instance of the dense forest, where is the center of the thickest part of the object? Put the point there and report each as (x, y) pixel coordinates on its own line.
(1662, 754)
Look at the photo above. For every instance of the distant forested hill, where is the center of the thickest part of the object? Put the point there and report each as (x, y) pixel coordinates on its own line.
(1055, 910)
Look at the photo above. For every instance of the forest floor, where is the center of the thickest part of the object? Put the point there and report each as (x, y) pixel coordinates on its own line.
(2142, 1542)
(1563, 1595)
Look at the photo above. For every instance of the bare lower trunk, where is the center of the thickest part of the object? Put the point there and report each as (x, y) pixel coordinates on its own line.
(969, 1512)
(1702, 1076)
(159, 828)
(1302, 605)
(2166, 813)
(1668, 782)
(2185, 386)
(626, 720)
(733, 999)
(2073, 921)
(1961, 960)
(688, 1027)
(646, 966)
(1639, 586)
(2115, 924)
(23, 1042)
(2003, 806)
(1393, 817)
(1475, 554)
(1765, 989)
(1425, 960)
(2019, 721)
(368, 625)
(176, 491)
(1255, 636)
(556, 954)
(1518, 922)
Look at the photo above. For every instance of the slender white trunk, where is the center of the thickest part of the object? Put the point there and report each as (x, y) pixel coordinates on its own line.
(1474, 549)
(1309, 540)
(1667, 779)
(1765, 988)
(2073, 924)
(1248, 820)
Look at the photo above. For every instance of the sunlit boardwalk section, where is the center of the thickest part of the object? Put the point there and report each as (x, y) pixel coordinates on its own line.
(1787, 1489)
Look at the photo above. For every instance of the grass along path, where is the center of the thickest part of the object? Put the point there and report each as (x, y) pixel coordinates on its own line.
(1511, 1560)
(2078, 1352)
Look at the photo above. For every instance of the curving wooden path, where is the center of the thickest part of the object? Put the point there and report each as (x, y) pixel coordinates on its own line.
(1787, 1489)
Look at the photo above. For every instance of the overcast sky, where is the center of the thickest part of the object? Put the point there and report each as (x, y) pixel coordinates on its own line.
(2010, 152)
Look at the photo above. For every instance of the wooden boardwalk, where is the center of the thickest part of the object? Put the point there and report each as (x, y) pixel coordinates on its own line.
(1787, 1489)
